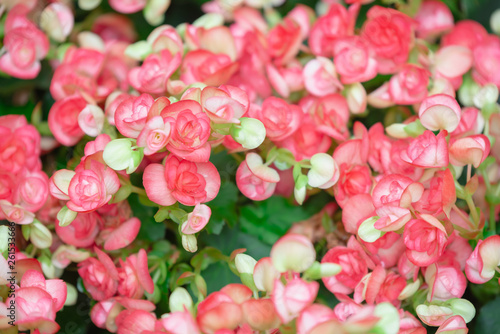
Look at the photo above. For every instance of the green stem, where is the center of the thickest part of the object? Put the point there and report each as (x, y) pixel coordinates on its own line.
(473, 211)
(493, 227)
(138, 191)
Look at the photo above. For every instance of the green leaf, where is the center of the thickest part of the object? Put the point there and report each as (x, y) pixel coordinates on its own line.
(223, 208)
(206, 257)
(270, 219)
(487, 320)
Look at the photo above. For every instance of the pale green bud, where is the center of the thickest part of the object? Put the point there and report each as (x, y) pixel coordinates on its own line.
(367, 231)
(154, 12)
(120, 155)
(139, 50)
(210, 20)
(40, 235)
(245, 263)
(72, 295)
(179, 299)
(250, 133)
(389, 319)
(189, 243)
(66, 216)
(495, 22)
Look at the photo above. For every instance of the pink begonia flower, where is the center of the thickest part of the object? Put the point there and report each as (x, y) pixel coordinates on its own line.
(155, 135)
(104, 313)
(380, 286)
(380, 97)
(304, 16)
(35, 310)
(113, 27)
(55, 287)
(127, 6)
(239, 293)
(466, 33)
(79, 65)
(20, 145)
(386, 250)
(394, 39)
(91, 120)
(320, 77)
(331, 114)
(32, 189)
(97, 145)
(15, 213)
(280, 118)
(100, 276)
(218, 311)
(337, 23)
(425, 239)
(180, 323)
(427, 150)
(256, 180)
(57, 21)
(356, 210)
(134, 277)
(63, 119)
(484, 260)
(440, 195)
(453, 61)
(433, 315)
(112, 102)
(396, 190)
(82, 231)
(354, 268)
(354, 60)
(408, 324)
(312, 316)
(445, 282)
(486, 61)
(131, 115)
(284, 41)
(181, 180)
(226, 104)
(65, 255)
(409, 85)
(26, 45)
(197, 219)
(455, 325)
(190, 130)
(165, 37)
(471, 123)
(207, 67)
(122, 236)
(260, 314)
(7, 186)
(440, 112)
(433, 18)
(264, 274)
(353, 180)
(469, 150)
(90, 188)
(286, 79)
(306, 141)
(217, 40)
(152, 76)
(134, 321)
(291, 299)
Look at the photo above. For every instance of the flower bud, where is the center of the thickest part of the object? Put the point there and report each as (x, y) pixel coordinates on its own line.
(245, 264)
(467, 91)
(293, 252)
(4, 238)
(66, 216)
(91, 120)
(189, 243)
(197, 219)
(88, 4)
(487, 94)
(40, 235)
(324, 172)
(356, 98)
(409, 290)
(389, 319)
(495, 22)
(463, 308)
(440, 112)
(180, 299)
(139, 50)
(154, 12)
(250, 133)
(367, 231)
(57, 21)
(264, 274)
(320, 270)
(209, 20)
(89, 40)
(397, 130)
(72, 295)
(48, 268)
(119, 155)
(299, 191)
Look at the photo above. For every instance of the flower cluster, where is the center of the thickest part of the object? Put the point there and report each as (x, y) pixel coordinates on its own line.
(391, 114)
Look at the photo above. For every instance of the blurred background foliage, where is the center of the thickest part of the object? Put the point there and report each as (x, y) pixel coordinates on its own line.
(236, 222)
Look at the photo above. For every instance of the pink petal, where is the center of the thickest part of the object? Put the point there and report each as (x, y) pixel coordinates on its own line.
(123, 235)
(156, 186)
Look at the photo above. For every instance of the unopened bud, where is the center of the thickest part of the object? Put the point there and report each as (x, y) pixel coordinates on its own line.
(299, 191)
(245, 263)
(488, 94)
(367, 231)
(293, 252)
(71, 296)
(57, 21)
(66, 216)
(356, 98)
(40, 235)
(189, 243)
(495, 22)
(210, 20)
(139, 50)
(179, 299)
(120, 155)
(250, 133)
(154, 11)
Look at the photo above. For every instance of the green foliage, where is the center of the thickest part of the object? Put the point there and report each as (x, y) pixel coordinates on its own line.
(150, 229)
(487, 320)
